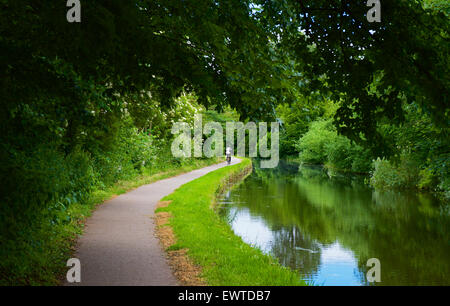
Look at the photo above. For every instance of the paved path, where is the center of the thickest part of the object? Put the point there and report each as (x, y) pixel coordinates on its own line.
(119, 247)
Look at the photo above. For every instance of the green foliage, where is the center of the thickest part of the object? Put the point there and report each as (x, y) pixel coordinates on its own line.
(427, 180)
(422, 151)
(322, 145)
(296, 118)
(371, 69)
(404, 174)
(387, 175)
(361, 159)
(68, 92)
(438, 5)
(227, 115)
(312, 146)
(384, 175)
(131, 151)
(84, 105)
(420, 157)
(338, 152)
(149, 115)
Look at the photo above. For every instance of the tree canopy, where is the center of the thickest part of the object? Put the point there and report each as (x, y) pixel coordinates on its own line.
(371, 68)
(251, 55)
(85, 104)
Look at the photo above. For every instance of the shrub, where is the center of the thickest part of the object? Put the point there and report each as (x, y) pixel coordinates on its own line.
(125, 156)
(312, 146)
(322, 145)
(362, 160)
(427, 180)
(338, 150)
(387, 175)
(384, 175)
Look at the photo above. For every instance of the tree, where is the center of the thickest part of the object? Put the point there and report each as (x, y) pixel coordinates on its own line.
(370, 68)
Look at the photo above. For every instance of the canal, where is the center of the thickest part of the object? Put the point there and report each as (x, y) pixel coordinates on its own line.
(326, 226)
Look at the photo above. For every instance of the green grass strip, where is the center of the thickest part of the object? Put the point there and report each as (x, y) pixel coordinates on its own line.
(225, 259)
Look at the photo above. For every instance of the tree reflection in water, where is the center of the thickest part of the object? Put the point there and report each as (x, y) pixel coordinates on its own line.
(327, 228)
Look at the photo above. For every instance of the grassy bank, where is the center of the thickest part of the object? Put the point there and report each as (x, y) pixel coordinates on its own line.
(43, 261)
(223, 257)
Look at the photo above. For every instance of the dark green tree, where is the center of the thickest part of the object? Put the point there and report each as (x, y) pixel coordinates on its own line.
(370, 68)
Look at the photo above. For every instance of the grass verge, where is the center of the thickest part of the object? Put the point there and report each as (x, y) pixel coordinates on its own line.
(224, 259)
(43, 262)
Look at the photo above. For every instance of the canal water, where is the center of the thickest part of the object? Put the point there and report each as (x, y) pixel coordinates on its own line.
(326, 227)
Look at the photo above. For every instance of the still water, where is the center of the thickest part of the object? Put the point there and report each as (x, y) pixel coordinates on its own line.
(327, 228)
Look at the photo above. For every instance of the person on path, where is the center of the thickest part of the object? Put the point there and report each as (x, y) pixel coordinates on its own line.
(228, 154)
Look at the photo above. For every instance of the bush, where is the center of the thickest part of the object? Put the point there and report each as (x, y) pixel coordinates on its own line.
(387, 175)
(125, 156)
(338, 150)
(362, 160)
(312, 146)
(427, 180)
(384, 175)
(322, 145)
(81, 176)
